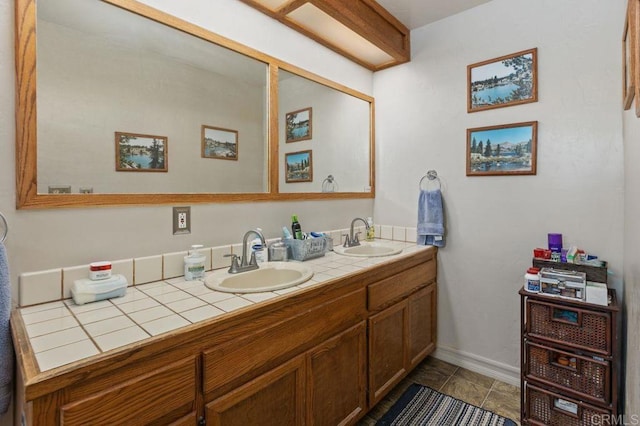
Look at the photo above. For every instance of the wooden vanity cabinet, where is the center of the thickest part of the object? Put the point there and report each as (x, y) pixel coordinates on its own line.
(402, 331)
(324, 386)
(321, 357)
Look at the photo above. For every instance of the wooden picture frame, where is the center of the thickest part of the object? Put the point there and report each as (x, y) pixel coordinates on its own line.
(507, 149)
(637, 54)
(298, 166)
(219, 143)
(629, 56)
(147, 153)
(299, 125)
(504, 81)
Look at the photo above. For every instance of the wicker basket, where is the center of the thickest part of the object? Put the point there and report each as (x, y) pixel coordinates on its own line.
(548, 408)
(582, 375)
(575, 327)
(309, 248)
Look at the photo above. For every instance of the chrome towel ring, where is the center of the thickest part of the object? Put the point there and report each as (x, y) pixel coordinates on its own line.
(431, 176)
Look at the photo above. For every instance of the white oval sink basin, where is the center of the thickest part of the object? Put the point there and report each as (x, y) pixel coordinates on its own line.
(270, 276)
(366, 249)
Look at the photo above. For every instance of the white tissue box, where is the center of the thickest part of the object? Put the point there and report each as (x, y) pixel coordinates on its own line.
(86, 290)
(597, 293)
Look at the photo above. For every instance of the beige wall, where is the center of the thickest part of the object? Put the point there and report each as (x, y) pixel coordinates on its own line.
(494, 222)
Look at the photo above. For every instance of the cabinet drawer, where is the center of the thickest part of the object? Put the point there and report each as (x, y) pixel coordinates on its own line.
(571, 326)
(385, 292)
(584, 376)
(549, 408)
(167, 391)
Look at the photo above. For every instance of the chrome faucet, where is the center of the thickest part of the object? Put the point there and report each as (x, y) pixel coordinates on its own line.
(352, 240)
(244, 264)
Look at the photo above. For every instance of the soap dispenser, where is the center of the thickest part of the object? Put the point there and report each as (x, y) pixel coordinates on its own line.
(194, 264)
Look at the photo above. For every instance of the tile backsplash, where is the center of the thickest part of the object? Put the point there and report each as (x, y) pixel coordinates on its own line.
(55, 284)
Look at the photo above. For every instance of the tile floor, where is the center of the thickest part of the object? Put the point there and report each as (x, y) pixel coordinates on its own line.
(476, 389)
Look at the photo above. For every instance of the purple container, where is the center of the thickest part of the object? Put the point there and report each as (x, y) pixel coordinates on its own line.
(555, 242)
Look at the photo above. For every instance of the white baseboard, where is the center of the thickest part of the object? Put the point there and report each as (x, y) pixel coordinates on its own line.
(488, 367)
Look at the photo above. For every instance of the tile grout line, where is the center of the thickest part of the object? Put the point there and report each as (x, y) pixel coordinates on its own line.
(487, 395)
(448, 378)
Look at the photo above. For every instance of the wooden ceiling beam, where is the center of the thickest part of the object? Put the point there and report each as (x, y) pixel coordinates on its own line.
(364, 17)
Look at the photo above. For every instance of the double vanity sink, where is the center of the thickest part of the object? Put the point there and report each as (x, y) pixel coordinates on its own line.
(272, 276)
(327, 353)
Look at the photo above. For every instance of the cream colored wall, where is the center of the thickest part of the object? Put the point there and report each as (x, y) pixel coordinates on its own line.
(42, 239)
(493, 223)
(631, 259)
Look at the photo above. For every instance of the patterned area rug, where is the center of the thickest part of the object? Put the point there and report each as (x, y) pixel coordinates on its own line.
(422, 406)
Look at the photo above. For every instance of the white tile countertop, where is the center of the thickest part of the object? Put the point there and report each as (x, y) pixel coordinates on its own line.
(62, 332)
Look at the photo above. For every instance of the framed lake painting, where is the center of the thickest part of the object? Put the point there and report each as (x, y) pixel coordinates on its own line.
(219, 143)
(299, 167)
(299, 125)
(141, 153)
(508, 149)
(502, 82)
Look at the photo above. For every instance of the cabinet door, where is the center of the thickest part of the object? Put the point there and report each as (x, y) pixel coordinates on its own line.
(274, 399)
(422, 324)
(387, 350)
(337, 378)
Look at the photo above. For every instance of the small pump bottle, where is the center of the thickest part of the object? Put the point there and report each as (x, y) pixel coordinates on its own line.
(194, 264)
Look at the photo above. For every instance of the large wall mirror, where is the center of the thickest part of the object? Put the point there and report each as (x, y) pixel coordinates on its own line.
(134, 106)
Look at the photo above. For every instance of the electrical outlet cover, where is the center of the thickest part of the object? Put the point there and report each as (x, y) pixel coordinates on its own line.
(181, 220)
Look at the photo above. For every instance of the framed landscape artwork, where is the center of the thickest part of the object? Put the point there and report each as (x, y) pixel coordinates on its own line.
(219, 143)
(141, 153)
(508, 149)
(299, 125)
(502, 82)
(299, 167)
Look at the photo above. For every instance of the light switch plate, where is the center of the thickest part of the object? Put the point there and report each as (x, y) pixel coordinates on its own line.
(181, 220)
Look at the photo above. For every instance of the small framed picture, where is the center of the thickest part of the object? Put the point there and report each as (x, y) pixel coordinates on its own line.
(502, 82)
(141, 153)
(508, 149)
(299, 167)
(219, 143)
(299, 125)
(629, 56)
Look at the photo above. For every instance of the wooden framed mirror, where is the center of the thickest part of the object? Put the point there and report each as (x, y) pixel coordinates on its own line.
(91, 71)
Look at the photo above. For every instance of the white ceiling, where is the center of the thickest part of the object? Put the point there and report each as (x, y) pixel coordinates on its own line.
(416, 13)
